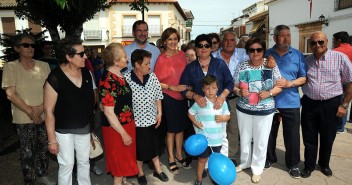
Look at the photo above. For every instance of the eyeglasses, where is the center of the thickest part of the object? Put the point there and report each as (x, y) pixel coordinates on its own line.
(81, 54)
(319, 42)
(26, 45)
(200, 46)
(252, 50)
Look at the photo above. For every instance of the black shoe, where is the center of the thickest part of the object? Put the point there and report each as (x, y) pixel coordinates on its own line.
(294, 173)
(162, 176)
(142, 180)
(268, 164)
(305, 173)
(326, 171)
(205, 173)
(197, 182)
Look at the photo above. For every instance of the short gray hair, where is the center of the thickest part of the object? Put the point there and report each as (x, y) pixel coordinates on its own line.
(278, 28)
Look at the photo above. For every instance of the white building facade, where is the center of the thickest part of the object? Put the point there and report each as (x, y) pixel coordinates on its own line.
(302, 16)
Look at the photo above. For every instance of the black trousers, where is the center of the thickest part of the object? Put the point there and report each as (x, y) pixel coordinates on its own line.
(319, 117)
(290, 125)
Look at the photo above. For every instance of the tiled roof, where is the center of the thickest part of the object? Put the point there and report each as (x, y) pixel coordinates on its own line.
(7, 3)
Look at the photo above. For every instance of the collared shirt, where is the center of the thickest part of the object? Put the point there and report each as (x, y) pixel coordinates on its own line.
(193, 75)
(346, 49)
(239, 55)
(213, 130)
(292, 66)
(326, 75)
(148, 47)
(144, 96)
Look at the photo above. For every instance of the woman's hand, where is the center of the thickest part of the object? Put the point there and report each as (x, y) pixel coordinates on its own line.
(178, 88)
(53, 148)
(201, 101)
(127, 140)
(158, 121)
(264, 95)
(244, 92)
(282, 83)
(218, 102)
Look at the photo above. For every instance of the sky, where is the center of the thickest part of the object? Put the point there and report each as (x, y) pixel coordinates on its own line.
(211, 15)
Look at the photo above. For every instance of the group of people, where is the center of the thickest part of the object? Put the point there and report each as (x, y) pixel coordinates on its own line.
(234, 92)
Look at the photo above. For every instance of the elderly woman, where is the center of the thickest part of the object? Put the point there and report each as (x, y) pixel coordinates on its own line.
(168, 70)
(117, 120)
(23, 81)
(205, 65)
(146, 99)
(68, 103)
(190, 52)
(215, 41)
(255, 84)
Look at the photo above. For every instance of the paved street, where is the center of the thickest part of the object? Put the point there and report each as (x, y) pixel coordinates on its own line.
(341, 163)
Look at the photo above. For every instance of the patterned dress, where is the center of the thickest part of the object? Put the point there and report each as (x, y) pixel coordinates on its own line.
(120, 159)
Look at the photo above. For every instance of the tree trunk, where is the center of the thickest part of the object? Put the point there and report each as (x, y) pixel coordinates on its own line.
(54, 33)
(75, 32)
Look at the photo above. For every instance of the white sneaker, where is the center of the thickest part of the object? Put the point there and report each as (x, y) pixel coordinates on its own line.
(96, 170)
(238, 169)
(46, 180)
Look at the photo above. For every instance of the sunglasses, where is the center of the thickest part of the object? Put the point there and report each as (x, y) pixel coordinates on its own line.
(252, 50)
(215, 42)
(26, 45)
(200, 46)
(81, 54)
(319, 42)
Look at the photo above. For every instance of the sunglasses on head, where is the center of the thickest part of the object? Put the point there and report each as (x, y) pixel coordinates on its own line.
(203, 45)
(252, 50)
(319, 42)
(81, 54)
(26, 45)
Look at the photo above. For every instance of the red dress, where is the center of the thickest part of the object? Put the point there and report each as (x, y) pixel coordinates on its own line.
(120, 159)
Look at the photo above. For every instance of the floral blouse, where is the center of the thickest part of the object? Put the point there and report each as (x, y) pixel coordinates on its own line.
(114, 91)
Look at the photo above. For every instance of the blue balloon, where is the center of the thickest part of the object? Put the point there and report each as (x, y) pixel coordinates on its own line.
(221, 169)
(196, 144)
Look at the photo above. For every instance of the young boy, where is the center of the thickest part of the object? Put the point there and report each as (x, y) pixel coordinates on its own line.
(209, 122)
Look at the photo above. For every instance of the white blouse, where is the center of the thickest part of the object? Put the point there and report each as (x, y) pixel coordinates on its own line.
(144, 99)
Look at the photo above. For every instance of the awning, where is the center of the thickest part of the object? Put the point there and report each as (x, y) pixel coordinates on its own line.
(256, 26)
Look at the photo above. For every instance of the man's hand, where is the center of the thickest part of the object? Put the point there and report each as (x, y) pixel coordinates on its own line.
(341, 112)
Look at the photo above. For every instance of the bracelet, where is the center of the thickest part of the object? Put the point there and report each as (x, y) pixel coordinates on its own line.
(193, 95)
(222, 96)
(168, 88)
(50, 143)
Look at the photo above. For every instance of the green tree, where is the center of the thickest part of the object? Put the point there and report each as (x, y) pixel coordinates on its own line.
(140, 5)
(68, 15)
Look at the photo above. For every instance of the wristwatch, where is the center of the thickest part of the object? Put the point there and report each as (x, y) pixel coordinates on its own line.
(271, 94)
(345, 105)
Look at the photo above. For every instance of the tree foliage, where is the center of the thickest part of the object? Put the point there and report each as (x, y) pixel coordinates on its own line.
(140, 5)
(68, 15)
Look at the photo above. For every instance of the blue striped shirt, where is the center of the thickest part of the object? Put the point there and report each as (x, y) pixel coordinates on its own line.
(206, 115)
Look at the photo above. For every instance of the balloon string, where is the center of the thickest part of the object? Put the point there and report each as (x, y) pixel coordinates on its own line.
(205, 133)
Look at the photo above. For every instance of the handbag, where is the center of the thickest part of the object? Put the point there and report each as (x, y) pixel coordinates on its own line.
(95, 146)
